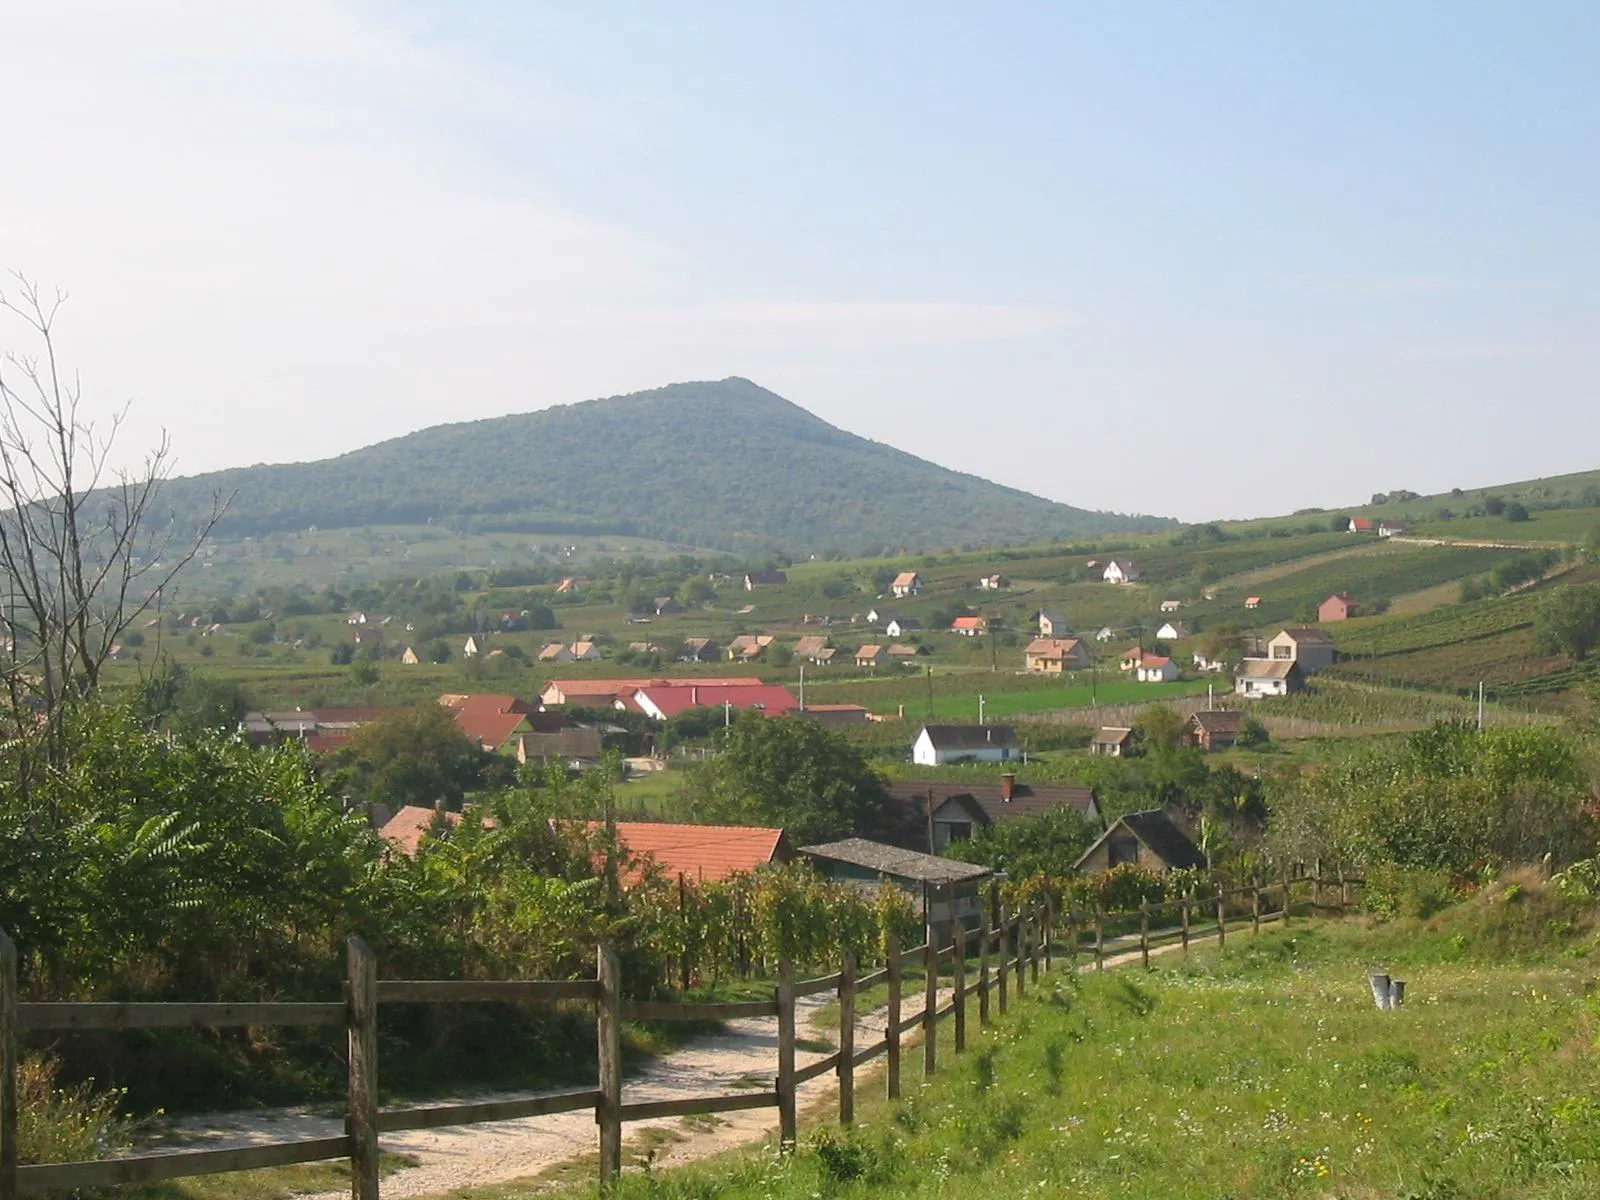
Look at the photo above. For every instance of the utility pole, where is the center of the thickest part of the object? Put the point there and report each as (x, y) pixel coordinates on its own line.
(802, 687)
(1480, 706)
(930, 693)
(980, 708)
(727, 714)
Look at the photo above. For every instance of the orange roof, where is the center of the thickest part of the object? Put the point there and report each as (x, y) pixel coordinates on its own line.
(488, 728)
(968, 623)
(705, 853)
(616, 687)
(1155, 662)
(482, 700)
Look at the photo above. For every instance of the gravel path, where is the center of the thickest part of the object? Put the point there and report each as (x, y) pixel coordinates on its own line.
(742, 1056)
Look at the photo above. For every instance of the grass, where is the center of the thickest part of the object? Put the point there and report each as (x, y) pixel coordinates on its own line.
(1263, 1071)
(275, 1183)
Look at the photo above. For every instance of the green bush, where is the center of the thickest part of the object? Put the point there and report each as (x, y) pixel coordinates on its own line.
(1394, 891)
(71, 1124)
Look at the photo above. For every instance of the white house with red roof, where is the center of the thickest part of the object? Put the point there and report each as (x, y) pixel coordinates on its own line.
(659, 703)
(1156, 668)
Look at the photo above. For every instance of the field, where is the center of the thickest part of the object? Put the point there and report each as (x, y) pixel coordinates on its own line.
(1257, 1073)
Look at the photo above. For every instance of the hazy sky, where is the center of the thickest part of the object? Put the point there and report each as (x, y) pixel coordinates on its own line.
(1191, 259)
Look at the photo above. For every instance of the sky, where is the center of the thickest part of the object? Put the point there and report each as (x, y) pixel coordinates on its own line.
(1188, 259)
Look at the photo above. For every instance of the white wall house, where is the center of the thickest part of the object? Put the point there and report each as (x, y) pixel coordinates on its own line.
(899, 627)
(937, 745)
(907, 583)
(1172, 631)
(1120, 570)
(1155, 668)
(470, 648)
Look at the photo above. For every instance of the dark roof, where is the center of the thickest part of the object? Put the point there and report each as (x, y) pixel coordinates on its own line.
(770, 577)
(566, 743)
(1305, 633)
(1218, 722)
(892, 860)
(1112, 735)
(970, 737)
(1160, 836)
(1026, 800)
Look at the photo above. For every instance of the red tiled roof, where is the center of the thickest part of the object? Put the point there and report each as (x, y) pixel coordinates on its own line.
(489, 729)
(612, 688)
(484, 700)
(969, 623)
(1154, 662)
(670, 701)
(705, 853)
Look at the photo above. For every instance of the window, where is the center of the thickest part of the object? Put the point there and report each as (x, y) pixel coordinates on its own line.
(1122, 849)
(1283, 652)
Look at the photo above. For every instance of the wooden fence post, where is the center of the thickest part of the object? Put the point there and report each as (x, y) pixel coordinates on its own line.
(1049, 931)
(1022, 950)
(1144, 933)
(1002, 969)
(8, 1067)
(1099, 937)
(930, 1006)
(1344, 890)
(1222, 923)
(1255, 910)
(1316, 886)
(1072, 933)
(984, 934)
(608, 1047)
(1188, 899)
(847, 1039)
(1287, 897)
(787, 1128)
(960, 965)
(1036, 937)
(361, 1019)
(891, 1034)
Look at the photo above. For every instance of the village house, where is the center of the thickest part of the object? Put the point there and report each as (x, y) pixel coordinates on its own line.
(1143, 839)
(470, 647)
(1252, 601)
(699, 650)
(1336, 608)
(1171, 605)
(904, 653)
(1391, 528)
(700, 853)
(836, 715)
(1120, 570)
(318, 729)
(1112, 741)
(665, 606)
(574, 749)
(585, 652)
(1156, 668)
(871, 655)
(953, 812)
(1311, 648)
(1207, 665)
(1054, 656)
(1104, 634)
(813, 648)
(900, 626)
(748, 646)
(993, 583)
(645, 648)
(660, 702)
(555, 652)
(1214, 730)
(1259, 677)
(755, 579)
(1173, 631)
(938, 745)
(409, 657)
(970, 626)
(907, 583)
(1052, 624)
(1362, 525)
(944, 890)
(1130, 658)
(607, 693)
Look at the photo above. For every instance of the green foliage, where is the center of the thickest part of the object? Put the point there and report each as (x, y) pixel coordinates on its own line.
(788, 772)
(1160, 726)
(411, 756)
(1046, 844)
(72, 1123)
(1446, 799)
(1568, 621)
(554, 472)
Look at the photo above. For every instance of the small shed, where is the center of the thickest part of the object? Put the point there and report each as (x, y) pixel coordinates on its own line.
(945, 889)
(1214, 730)
(1150, 839)
(1112, 741)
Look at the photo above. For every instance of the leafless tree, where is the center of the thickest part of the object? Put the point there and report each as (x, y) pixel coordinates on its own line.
(83, 550)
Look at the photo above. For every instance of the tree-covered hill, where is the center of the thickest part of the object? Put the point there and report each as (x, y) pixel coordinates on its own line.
(727, 465)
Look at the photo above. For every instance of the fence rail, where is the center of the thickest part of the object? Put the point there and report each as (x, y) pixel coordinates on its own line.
(1011, 950)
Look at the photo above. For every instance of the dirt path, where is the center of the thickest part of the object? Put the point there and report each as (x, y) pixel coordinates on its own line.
(742, 1056)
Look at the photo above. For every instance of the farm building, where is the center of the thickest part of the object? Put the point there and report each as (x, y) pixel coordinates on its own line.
(1265, 677)
(1120, 570)
(937, 745)
(956, 811)
(1311, 648)
(1143, 839)
(1112, 741)
(970, 626)
(1337, 608)
(944, 890)
(907, 583)
(1214, 730)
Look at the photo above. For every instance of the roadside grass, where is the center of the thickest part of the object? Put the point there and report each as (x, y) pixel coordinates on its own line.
(274, 1183)
(1261, 1071)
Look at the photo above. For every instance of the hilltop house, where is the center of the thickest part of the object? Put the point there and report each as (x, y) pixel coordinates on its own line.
(1259, 677)
(1173, 631)
(1156, 668)
(1052, 656)
(1336, 608)
(748, 646)
(755, 579)
(470, 648)
(555, 652)
(904, 653)
(945, 891)
(665, 606)
(1120, 570)
(1052, 624)
(871, 655)
(900, 626)
(1130, 658)
(1311, 648)
(1391, 528)
(815, 648)
(1362, 525)
(907, 583)
(993, 583)
(1252, 601)
(585, 652)
(1171, 605)
(1104, 634)
(970, 626)
(937, 745)
(409, 657)
(699, 650)
(1214, 730)
(1112, 741)
(1143, 839)
(660, 702)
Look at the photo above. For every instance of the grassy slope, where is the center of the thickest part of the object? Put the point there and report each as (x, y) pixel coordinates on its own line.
(1263, 1072)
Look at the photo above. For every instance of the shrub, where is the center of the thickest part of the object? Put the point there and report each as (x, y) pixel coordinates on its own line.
(72, 1124)
(1394, 891)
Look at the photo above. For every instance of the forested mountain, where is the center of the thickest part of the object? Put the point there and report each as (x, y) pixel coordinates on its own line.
(726, 465)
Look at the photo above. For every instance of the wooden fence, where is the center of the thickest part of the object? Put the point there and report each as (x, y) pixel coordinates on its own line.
(1011, 951)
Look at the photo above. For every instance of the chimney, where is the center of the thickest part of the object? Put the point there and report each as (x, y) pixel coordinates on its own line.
(1008, 785)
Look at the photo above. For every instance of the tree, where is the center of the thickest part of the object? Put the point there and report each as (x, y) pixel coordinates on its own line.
(793, 772)
(1494, 505)
(1568, 621)
(411, 756)
(83, 551)
(1046, 844)
(1516, 511)
(1160, 726)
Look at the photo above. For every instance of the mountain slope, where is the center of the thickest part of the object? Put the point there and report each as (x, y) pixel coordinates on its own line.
(727, 465)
